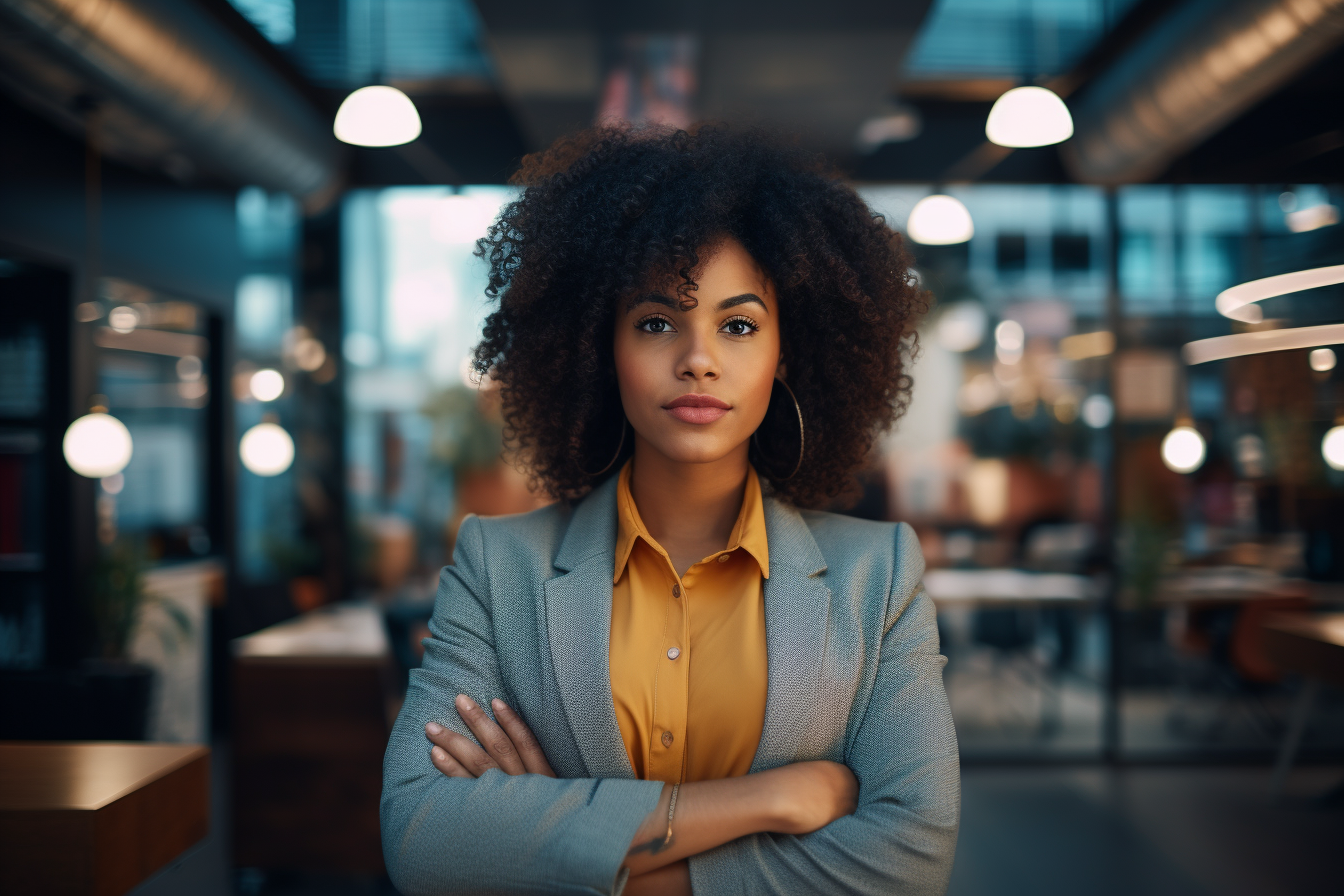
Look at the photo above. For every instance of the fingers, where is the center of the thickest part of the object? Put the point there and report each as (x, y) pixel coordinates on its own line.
(490, 735)
(447, 764)
(534, 760)
(459, 752)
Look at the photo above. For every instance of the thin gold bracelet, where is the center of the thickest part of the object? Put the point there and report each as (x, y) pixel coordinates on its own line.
(671, 808)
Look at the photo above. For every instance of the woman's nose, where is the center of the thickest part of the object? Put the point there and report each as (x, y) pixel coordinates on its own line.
(699, 361)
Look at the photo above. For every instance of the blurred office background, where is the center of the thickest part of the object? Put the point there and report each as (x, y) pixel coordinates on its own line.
(237, 434)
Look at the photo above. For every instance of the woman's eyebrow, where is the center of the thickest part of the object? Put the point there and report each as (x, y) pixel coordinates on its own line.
(653, 298)
(742, 300)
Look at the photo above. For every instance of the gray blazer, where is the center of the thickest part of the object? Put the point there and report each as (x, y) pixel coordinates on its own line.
(524, 614)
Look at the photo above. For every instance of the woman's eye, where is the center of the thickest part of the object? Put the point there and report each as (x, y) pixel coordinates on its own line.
(739, 327)
(654, 325)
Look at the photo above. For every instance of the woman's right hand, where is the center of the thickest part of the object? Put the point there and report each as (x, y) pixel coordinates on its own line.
(810, 795)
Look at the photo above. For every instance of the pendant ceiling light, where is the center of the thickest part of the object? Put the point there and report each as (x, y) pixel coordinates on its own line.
(1029, 116)
(1332, 447)
(97, 445)
(1183, 448)
(1237, 302)
(939, 220)
(266, 449)
(378, 115)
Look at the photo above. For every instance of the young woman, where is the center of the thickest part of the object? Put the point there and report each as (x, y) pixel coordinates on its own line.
(675, 679)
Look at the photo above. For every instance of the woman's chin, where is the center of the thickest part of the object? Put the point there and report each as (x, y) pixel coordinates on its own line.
(696, 449)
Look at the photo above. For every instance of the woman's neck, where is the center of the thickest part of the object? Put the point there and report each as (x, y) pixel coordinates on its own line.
(690, 509)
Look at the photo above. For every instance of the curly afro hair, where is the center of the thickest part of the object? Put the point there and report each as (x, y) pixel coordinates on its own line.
(614, 210)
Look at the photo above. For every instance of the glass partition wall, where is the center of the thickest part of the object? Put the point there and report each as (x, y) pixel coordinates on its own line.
(1093, 599)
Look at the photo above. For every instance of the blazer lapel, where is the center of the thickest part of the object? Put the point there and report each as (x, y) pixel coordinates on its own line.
(797, 610)
(578, 625)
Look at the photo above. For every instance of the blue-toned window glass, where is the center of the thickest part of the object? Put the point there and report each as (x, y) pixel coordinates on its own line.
(269, 544)
(415, 302)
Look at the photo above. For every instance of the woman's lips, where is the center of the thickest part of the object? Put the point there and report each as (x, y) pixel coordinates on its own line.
(695, 408)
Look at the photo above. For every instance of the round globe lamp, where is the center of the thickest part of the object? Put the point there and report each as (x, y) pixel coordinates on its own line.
(97, 445)
(1183, 449)
(266, 449)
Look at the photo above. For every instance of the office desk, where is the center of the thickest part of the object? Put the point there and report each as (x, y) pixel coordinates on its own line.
(1312, 646)
(97, 818)
(311, 724)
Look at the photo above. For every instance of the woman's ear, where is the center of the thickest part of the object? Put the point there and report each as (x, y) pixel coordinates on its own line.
(781, 369)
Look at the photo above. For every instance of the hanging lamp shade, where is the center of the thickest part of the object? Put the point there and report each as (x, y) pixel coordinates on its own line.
(377, 116)
(266, 449)
(1029, 116)
(1332, 447)
(1183, 449)
(939, 220)
(97, 445)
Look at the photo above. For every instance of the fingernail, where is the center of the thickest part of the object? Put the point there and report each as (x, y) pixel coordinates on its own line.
(498, 704)
(434, 728)
(464, 702)
(438, 753)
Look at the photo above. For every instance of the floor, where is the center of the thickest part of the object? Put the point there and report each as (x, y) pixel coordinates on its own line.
(1153, 831)
(1033, 831)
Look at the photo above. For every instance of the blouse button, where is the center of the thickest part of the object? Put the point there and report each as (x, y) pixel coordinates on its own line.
(667, 738)
(723, 558)
(676, 591)
(673, 652)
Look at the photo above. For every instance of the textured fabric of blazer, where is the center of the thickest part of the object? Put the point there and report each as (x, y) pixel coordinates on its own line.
(524, 614)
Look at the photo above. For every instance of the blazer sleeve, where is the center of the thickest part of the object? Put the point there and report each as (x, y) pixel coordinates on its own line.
(902, 837)
(497, 833)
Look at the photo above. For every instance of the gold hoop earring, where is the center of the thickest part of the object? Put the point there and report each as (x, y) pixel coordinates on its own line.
(619, 446)
(801, 433)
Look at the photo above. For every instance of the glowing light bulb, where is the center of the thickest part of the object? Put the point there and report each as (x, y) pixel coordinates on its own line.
(1183, 449)
(377, 116)
(97, 445)
(266, 449)
(1321, 359)
(1097, 411)
(939, 220)
(266, 385)
(1029, 116)
(1332, 447)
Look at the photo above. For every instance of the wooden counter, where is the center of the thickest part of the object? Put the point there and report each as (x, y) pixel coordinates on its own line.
(310, 727)
(97, 818)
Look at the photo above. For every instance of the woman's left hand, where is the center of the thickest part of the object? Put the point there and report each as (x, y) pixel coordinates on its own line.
(506, 743)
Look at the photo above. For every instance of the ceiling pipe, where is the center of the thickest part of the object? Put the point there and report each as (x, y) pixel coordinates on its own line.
(178, 85)
(1195, 71)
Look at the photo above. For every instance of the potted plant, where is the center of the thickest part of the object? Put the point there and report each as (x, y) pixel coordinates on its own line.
(116, 690)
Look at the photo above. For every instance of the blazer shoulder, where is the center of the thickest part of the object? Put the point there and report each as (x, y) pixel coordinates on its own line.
(841, 536)
(517, 537)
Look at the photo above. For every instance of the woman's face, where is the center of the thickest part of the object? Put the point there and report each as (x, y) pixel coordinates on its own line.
(695, 382)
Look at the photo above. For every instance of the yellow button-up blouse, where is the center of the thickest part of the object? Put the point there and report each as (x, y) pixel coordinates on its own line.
(688, 655)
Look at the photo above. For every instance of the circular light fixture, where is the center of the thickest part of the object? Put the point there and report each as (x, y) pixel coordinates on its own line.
(1183, 449)
(377, 116)
(1321, 359)
(266, 385)
(266, 449)
(939, 220)
(123, 318)
(97, 445)
(1217, 348)
(1237, 302)
(1029, 116)
(1097, 411)
(1332, 447)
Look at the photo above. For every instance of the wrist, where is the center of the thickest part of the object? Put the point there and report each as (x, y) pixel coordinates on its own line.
(775, 804)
